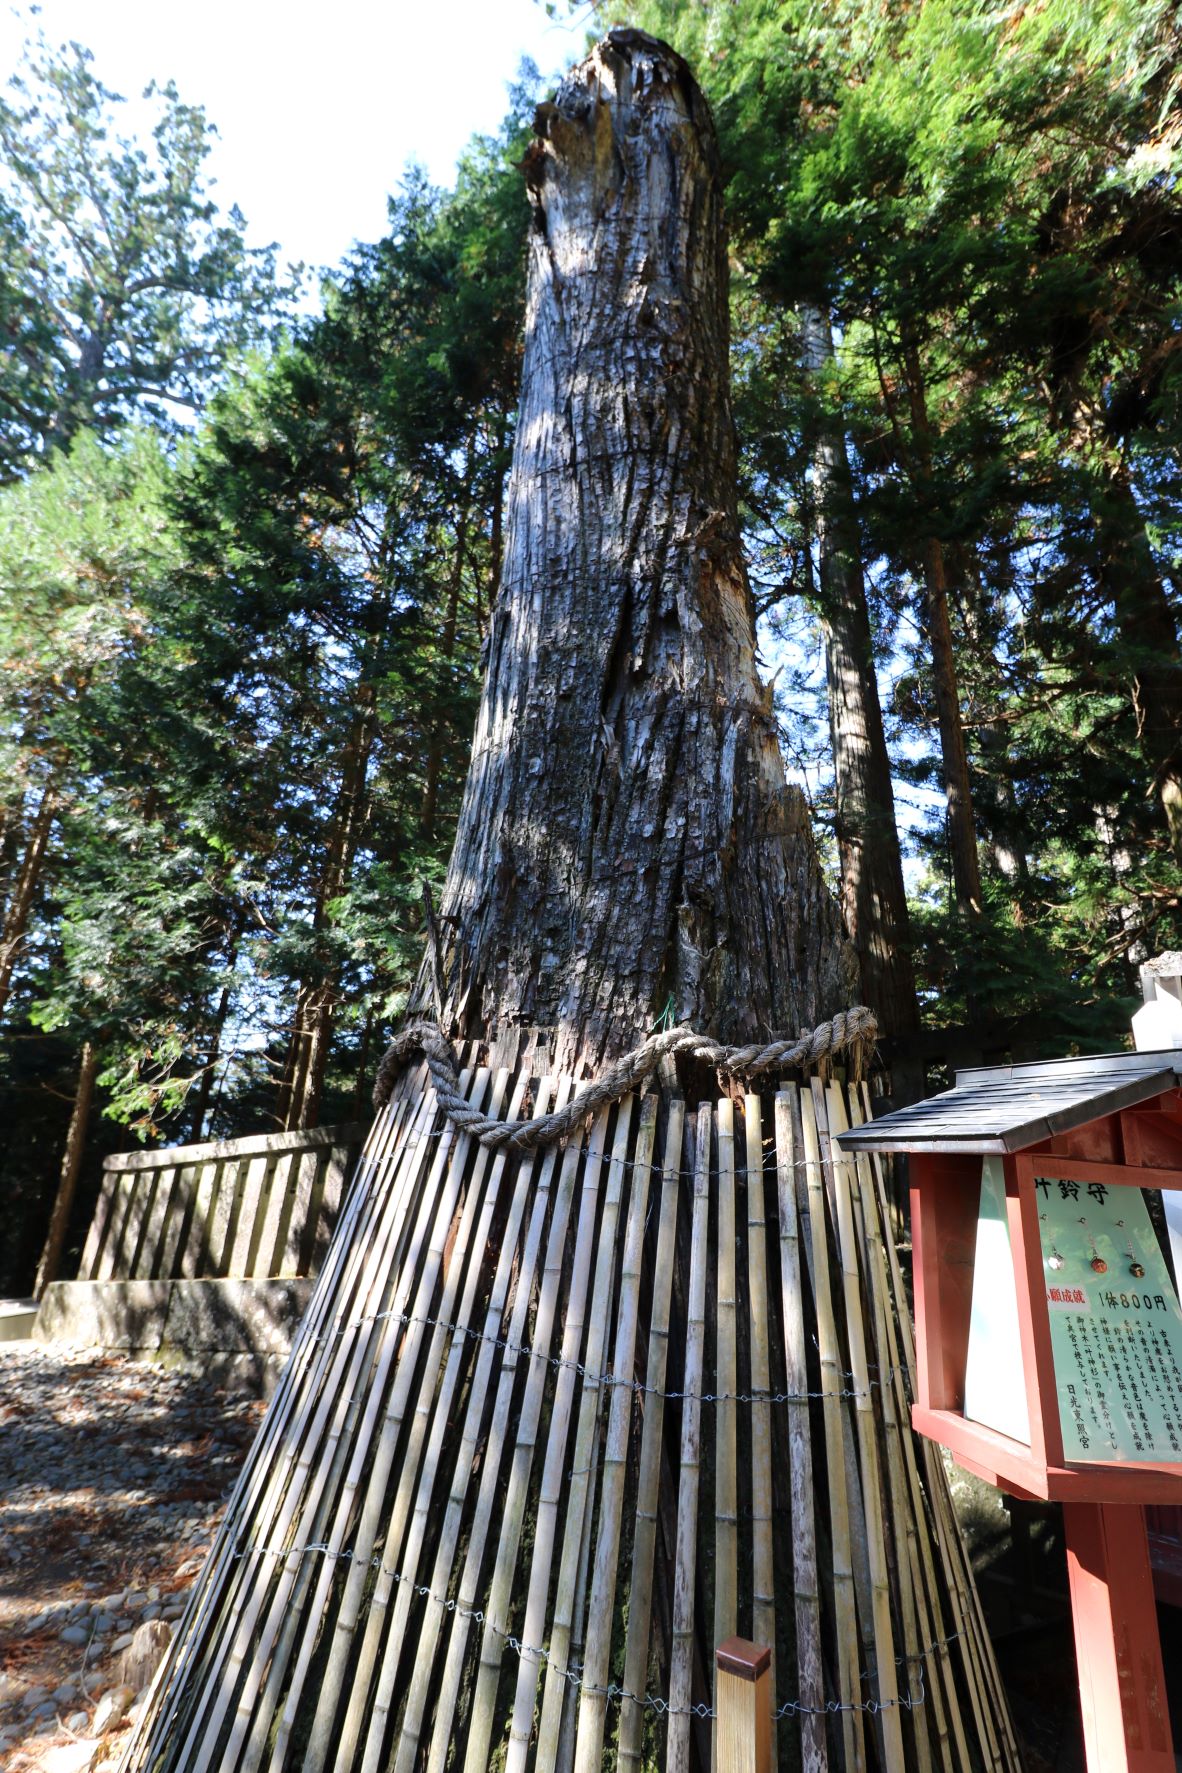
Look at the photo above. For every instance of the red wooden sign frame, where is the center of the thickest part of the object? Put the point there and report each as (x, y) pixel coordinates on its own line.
(945, 1196)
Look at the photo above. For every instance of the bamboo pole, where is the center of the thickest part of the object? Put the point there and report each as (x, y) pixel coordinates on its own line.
(948, 1730)
(489, 1503)
(814, 1751)
(575, 1484)
(845, 1610)
(537, 1195)
(763, 1601)
(326, 1472)
(500, 1597)
(884, 1637)
(377, 1450)
(859, 1545)
(376, 1712)
(640, 1591)
(325, 1739)
(323, 1404)
(976, 1656)
(597, 1657)
(681, 1667)
(726, 1384)
(225, 1576)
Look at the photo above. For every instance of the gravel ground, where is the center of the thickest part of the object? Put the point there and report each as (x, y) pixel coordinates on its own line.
(114, 1476)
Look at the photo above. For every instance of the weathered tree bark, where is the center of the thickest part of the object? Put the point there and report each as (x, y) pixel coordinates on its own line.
(21, 901)
(627, 843)
(59, 1222)
(873, 897)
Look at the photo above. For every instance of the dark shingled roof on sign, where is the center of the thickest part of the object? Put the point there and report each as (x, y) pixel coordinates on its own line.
(1006, 1107)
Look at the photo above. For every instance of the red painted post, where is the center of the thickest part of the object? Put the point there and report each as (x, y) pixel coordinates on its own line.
(1122, 1688)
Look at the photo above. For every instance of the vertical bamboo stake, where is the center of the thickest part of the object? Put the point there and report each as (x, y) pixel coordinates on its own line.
(743, 1701)
(884, 1641)
(292, 1485)
(853, 1476)
(681, 1669)
(326, 1739)
(314, 1347)
(950, 1544)
(640, 1591)
(814, 1752)
(726, 1384)
(500, 1598)
(325, 1472)
(763, 1613)
(536, 1193)
(596, 1661)
(920, 1589)
(575, 1484)
(380, 1459)
(831, 1387)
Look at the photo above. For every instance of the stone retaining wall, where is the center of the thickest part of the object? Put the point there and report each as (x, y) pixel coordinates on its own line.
(228, 1328)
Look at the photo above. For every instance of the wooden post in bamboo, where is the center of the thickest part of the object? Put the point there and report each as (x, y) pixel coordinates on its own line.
(743, 1703)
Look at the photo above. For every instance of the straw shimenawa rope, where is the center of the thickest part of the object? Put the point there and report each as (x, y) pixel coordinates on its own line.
(850, 1029)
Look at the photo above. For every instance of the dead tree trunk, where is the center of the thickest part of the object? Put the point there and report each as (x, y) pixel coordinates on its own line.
(477, 1529)
(873, 897)
(627, 843)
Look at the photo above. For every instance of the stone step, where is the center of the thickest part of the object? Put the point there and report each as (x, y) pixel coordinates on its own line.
(16, 1319)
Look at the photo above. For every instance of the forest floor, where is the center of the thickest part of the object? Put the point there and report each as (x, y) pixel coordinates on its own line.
(114, 1476)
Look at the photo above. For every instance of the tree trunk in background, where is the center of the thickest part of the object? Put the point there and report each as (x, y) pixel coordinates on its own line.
(962, 836)
(873, 897)
(447, 646)
(1004, 839)
(20, 903)
(298, 1103)
(213, 1054)
(1149, 635)
(627, 843)
(59, 1222)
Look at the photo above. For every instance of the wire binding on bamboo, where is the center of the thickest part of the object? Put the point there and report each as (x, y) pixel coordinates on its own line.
(555, 1420)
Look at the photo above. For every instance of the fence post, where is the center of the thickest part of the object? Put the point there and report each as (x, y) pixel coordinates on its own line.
(743, 1703)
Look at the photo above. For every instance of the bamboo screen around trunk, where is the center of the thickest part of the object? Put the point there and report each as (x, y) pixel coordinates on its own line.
(553, 1427)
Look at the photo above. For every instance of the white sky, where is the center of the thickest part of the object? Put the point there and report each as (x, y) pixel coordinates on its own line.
(319, 104)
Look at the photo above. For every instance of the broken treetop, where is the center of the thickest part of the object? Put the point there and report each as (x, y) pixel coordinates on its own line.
(1007, 1107)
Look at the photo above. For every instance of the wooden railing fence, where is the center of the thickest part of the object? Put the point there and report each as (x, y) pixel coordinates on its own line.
(257, 1207)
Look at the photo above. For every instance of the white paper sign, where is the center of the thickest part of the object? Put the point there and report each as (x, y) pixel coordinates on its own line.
(1116, 1327)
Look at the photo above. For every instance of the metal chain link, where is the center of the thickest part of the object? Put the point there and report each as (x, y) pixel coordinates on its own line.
(607, 1380)
(573, 1672)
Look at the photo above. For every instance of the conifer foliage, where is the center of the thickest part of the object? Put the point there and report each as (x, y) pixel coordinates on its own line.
(248, 563)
